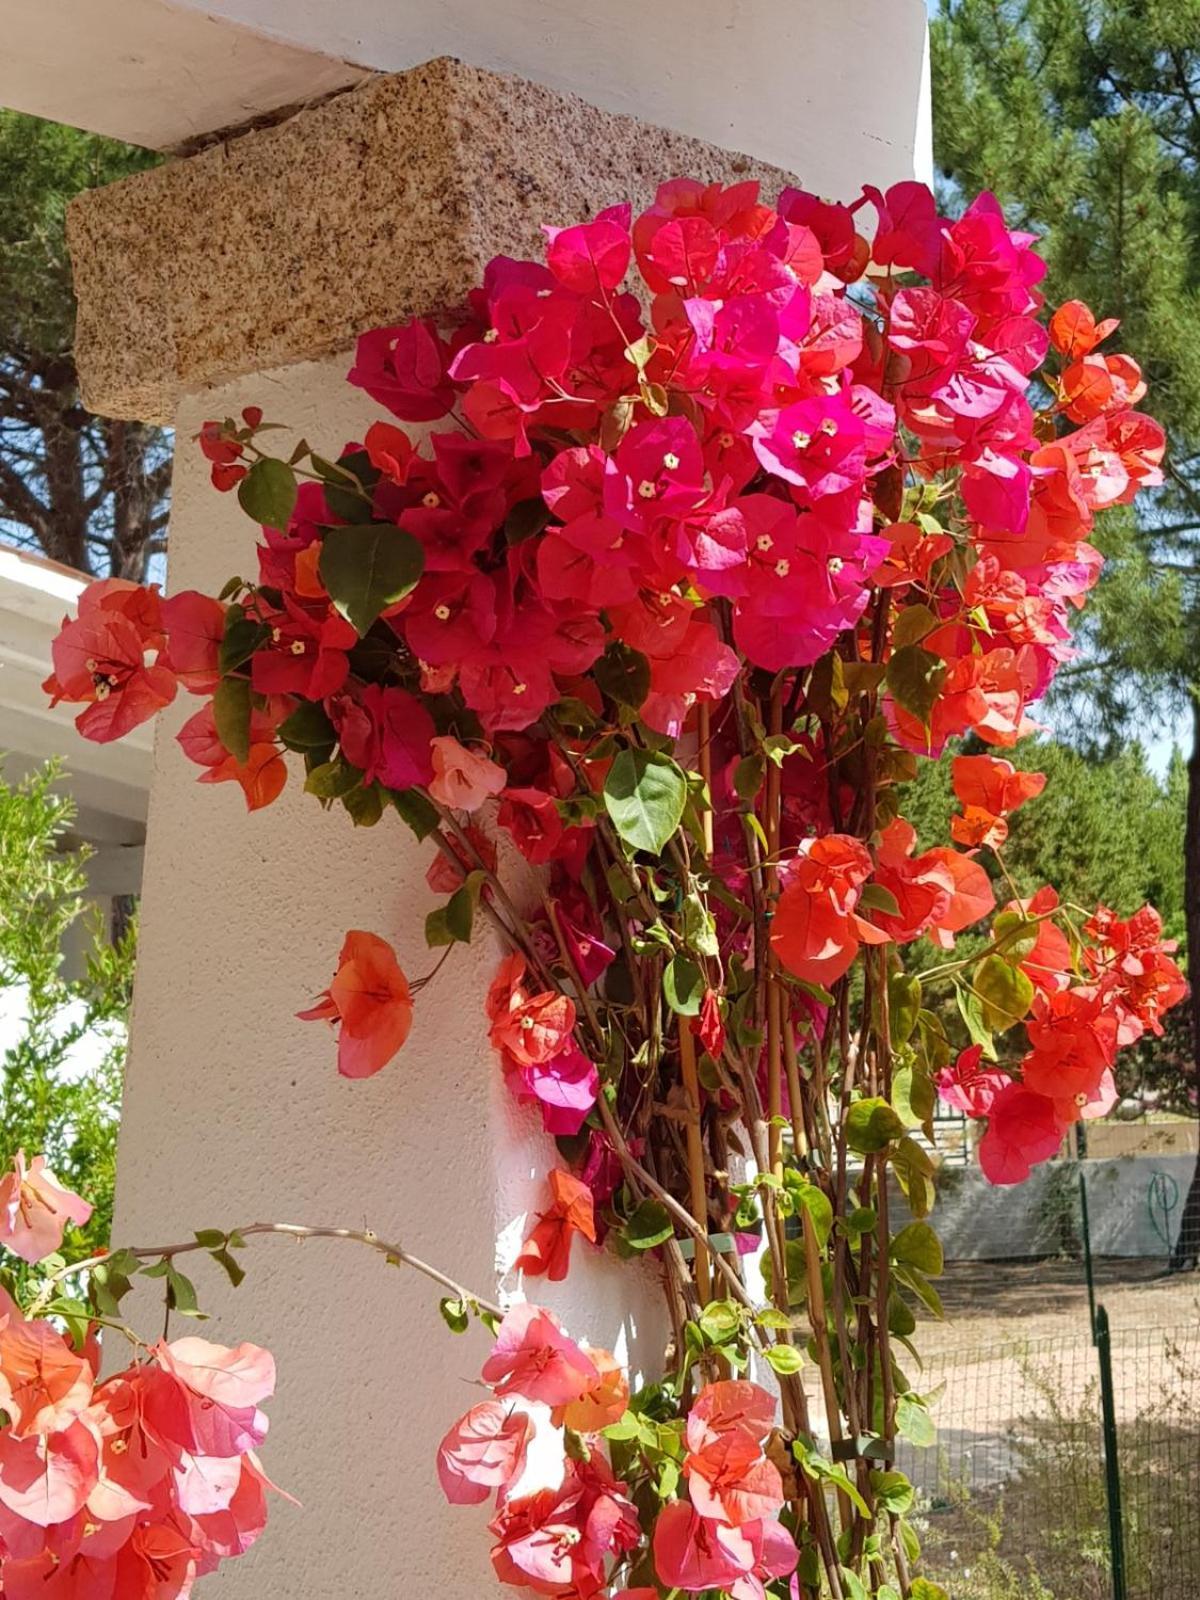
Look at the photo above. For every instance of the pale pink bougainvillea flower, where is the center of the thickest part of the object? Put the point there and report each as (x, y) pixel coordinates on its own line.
(370, 999)
(483, 1451)
(461, 779)
(35, 1209)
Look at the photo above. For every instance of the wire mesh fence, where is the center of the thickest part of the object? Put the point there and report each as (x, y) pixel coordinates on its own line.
(1014, 1500)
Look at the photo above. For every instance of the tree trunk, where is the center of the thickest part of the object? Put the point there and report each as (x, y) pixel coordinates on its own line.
(1187, 1243)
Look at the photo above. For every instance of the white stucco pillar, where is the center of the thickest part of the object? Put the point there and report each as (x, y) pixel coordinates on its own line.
(250, 258)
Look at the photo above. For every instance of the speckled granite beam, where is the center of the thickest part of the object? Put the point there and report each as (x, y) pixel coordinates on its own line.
(285, 243)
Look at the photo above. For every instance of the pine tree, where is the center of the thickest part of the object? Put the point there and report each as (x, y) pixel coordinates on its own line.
(87, 491)
(1083, 116)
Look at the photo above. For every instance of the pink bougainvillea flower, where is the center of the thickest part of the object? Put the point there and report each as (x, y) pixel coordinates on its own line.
(35, 1208)
(530, 1028)
(1074, 330)
(484, 1451)
(386, 732)
(593, 257)
(731, 1480)
(695, 1553)
(547, 1251)
(534, 1358)
(461, 779)
(566, 1087)
(557, 1541)
(1023, 1129)
(111, 658)
(969, 1087)
(971, 899)
(222, 1391)
(404, 369)
(370, 1000)
(390, 450)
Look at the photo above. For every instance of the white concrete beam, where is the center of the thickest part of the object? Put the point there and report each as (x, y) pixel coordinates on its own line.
(152, 73)
(766, 77)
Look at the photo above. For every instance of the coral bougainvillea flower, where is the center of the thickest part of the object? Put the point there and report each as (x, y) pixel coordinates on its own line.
(990, 790)
(112, 658)
(816, 932)
(557, 1541)
(534, 1358)
(547, 1251)
(604, 1403)
(35, 1208)
(371, 1002)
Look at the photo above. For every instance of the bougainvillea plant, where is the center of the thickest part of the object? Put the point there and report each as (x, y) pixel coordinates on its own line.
(675, 585)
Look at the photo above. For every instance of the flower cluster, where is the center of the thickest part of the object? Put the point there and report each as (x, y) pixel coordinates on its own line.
(135, 1485)
(676, 554)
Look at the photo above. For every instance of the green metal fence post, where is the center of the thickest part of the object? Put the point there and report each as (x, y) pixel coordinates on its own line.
(1085, 1229)
(1112, 1465)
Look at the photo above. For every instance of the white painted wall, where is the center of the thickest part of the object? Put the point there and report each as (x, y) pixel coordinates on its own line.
(234, 1112)
(833, 90)
(823, 88)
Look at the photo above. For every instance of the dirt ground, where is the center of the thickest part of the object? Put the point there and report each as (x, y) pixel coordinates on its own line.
(993, 1303)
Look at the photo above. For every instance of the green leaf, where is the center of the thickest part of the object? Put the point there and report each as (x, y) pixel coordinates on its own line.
(240, 640)
(364, 804)
(234, 1269)
(526, 520)
(875, 897)
(644, 794)
(268, 493)
(683, 986)
(623, 674)
(893, 1492)
(970, 1009)
(231, 716)
(650, 1225)
(913, 1421)
(871, 1125)
(368, 568)
(914, 677)
(784, 1359)
(210, 1238)
(699, 928)
(748, 777)
(332, 779)
(923, 1589)
(455, 1314)
(918, 1246)
(1005, 991)
(861, 1220)
(420, 813)
(920, 1285)
(181, 1293)
(453, 922)
(720, 1321)
(912, 624)
(308, 728)
(1016, 934)
(913, 1096)
(816, 1202)
(904, 1005)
